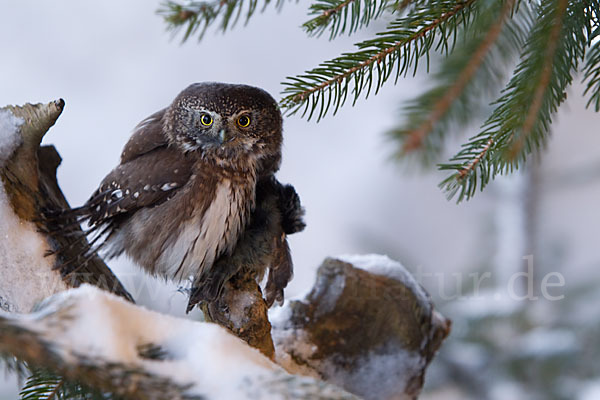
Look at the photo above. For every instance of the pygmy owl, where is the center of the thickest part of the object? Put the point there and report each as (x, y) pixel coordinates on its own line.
(186, 190)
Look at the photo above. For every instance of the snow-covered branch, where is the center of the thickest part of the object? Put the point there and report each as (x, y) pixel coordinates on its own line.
(28, 186)
(99, 339)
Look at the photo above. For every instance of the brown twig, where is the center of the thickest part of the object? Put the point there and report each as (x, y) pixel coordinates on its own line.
(416, 137)
(328, 13)
(54, 392)
(463, 172)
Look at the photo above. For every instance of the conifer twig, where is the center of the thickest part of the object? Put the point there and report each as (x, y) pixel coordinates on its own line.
(540, 90)
(327, 13)
(200, 15)
(323, 78)
(466, 170)
(378, 57)
(521, 121)
(54, 392)
(415, 137)
(335, 14)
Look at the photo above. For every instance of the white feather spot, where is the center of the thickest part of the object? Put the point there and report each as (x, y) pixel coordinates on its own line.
(117, 193)
(147, 188)
(136, 195)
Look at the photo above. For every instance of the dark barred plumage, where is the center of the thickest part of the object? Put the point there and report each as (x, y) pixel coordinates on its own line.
(195, 193)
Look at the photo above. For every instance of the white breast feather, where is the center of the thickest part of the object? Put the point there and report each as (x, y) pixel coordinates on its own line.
(205, 235)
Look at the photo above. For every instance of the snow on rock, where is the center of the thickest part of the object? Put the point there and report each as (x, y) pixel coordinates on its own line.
(383, 373)
(27, 275)
(366, 326)
(379, 264)
(292, 342)
(201, 358)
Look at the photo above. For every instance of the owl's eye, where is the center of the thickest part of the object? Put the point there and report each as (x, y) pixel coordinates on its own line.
(243, 121)
(206, 120)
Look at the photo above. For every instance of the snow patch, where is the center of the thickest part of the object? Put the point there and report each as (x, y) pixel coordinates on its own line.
(384, 266)
(487, 303)
(508, 390)
(470, 356)
(590, 391)
(390, 366)
(544, 343)
(328, 291)
(290, 342)
(106, 328)
(10, 138)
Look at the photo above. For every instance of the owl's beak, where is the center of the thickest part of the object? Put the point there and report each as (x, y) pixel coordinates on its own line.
(224, 136)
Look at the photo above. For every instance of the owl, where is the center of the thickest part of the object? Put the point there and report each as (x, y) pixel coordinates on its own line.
(193, 178)
(278, 213)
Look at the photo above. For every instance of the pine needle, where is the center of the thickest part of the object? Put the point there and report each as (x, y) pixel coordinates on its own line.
(402, 45)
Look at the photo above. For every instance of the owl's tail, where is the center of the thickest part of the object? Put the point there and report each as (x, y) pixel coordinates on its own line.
(73, 245)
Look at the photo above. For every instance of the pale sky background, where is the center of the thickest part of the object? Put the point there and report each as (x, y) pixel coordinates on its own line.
(114, 64)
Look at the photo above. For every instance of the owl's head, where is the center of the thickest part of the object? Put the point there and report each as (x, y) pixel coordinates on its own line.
(226, 122)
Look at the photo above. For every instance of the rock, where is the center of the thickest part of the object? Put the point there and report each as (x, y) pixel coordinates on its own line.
(366, 326)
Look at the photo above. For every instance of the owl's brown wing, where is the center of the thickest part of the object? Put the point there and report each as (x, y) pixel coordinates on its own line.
(147, 136)
(145, 181)
(150, 172)
(146, 177)
(146, 142)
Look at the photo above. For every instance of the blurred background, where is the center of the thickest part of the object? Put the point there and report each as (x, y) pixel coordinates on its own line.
(114, 64)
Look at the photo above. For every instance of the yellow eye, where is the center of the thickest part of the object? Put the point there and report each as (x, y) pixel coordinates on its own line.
(206, 120)
(243, 121)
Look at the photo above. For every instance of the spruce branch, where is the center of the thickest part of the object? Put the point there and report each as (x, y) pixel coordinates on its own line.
(44, 384)
(195, 17)
(543, 83)
(414, 138)
(400, 47)
(520, 123)
(480, 39)
(341, 16)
